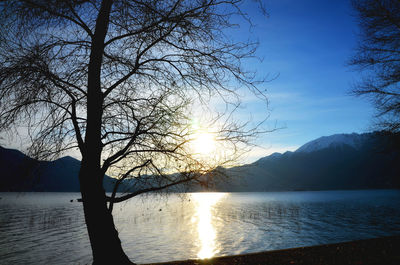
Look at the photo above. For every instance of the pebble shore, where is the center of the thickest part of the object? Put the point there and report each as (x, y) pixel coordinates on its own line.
(379, 251)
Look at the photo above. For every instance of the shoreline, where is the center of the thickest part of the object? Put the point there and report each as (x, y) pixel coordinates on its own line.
(376, 251)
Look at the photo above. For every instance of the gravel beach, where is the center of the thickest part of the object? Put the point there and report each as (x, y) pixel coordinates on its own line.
(379, 251)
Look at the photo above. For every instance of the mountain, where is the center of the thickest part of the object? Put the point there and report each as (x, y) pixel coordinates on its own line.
(15, 170)
(19, 172)
(341, 161)
(354, 140)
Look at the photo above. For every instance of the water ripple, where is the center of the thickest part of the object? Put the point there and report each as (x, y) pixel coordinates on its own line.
(46, 228)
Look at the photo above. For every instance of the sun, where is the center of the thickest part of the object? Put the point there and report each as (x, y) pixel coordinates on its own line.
(203, 143)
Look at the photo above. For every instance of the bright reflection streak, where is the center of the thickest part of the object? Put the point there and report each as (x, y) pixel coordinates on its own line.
(206, 232)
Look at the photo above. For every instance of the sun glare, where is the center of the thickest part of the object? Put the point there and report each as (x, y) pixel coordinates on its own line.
(203, 143)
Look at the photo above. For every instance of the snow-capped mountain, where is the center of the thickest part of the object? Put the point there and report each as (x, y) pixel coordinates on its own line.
(341, 161)
(353, 140)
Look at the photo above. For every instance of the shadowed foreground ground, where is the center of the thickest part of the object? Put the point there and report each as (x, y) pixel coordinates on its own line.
(380, 251)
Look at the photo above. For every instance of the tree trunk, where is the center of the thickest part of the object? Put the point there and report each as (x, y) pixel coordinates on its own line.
(106, 245)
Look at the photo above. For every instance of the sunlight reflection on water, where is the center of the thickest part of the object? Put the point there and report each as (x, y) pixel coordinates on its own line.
(46, 228)
(205, 227)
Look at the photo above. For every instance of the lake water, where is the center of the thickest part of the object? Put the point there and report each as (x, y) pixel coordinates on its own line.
(46, 228)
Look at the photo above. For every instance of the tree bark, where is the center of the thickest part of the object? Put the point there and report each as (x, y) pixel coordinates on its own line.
(104, 240)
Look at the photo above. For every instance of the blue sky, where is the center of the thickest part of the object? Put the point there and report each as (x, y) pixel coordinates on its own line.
(307, 43)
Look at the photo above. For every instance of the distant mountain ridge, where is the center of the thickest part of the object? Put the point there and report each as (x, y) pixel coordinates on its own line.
(340, 161)
(19, 172)
(354, 140)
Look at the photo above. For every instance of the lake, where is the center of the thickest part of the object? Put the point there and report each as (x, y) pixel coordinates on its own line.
(46, 228)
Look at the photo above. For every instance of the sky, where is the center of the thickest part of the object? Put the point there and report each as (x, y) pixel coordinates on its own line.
(306, 44)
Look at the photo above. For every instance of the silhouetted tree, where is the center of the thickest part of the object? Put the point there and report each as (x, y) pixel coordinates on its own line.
(378, 56)
(116, 80)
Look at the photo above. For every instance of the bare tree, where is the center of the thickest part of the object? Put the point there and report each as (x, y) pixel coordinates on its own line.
(116, 80)
(378, 56)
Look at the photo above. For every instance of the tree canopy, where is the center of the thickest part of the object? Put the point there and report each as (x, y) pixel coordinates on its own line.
(378, 57)
(157, 59)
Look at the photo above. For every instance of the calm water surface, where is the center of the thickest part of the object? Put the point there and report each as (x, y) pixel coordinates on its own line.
(46, 228)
